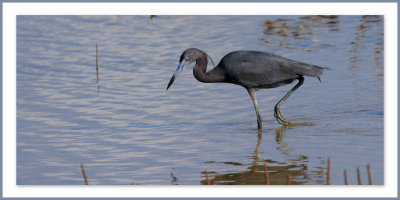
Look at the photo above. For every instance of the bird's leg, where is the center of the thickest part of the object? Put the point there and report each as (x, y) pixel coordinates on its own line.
(277, 113)
(252, 93)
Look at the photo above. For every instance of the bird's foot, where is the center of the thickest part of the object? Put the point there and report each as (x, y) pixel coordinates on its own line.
(282, 121)
(279, 117)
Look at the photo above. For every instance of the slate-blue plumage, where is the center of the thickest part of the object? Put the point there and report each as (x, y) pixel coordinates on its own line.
(251, 69)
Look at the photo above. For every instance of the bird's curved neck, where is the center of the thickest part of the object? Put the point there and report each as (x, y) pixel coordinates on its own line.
(199, 72)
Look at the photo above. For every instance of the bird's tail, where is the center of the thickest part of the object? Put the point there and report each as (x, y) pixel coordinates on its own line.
(323, 69)
(309, 70)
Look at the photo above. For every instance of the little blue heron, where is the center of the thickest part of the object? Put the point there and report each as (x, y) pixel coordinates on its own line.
(253, 70)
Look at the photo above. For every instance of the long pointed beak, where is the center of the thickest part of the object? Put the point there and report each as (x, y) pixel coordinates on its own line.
(178, 70)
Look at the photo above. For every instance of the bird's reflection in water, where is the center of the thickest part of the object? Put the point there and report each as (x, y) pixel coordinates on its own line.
(278, 171)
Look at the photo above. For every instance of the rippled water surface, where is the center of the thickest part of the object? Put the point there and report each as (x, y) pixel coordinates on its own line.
(126, 129)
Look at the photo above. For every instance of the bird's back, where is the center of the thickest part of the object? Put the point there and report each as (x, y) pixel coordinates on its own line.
(255, 69)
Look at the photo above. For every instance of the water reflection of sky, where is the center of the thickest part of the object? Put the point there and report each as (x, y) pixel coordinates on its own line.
(131, 130)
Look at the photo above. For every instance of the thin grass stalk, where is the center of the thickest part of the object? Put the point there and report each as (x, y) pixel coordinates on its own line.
(359, 176)
(207, 181)
(328, 177)
(266, 174)
(97, 62)
(84, 175)
(345, 177)
(369, 174)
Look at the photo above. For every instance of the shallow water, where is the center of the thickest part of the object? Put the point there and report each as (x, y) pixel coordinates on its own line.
(126, 129)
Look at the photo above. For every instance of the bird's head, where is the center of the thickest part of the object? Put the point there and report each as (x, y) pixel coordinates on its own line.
(187, 57)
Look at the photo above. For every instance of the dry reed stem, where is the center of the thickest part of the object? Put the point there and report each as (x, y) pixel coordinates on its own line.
(369, 174)
(207, 181)
(288, 179)
(345, 178)
(359, 176)
(266, 174)
(97, 64)
(84, 175)
(328, 178)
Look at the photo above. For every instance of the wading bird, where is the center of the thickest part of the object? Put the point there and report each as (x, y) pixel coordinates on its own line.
(253, 70)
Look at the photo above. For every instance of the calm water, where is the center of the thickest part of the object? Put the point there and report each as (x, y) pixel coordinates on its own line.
(128, 130)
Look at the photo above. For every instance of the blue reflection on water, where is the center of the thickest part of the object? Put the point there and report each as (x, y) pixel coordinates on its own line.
(131, 130)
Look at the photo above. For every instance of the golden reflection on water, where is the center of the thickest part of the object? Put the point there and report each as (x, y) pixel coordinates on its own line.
(306, 28)
(279, 173)
(284, 33)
